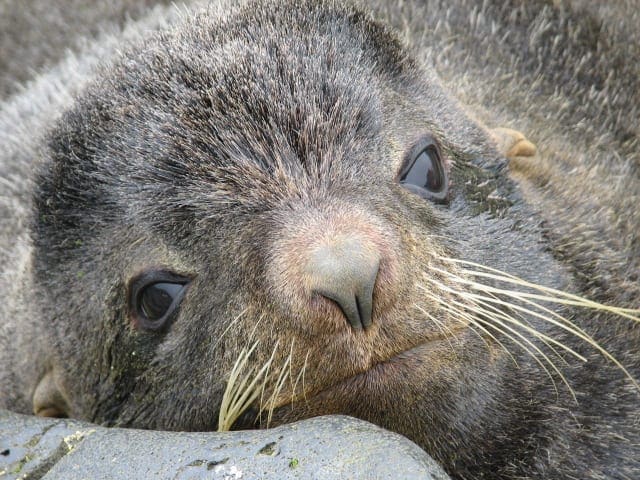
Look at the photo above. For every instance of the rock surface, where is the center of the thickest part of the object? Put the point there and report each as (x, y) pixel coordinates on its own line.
(332, 447)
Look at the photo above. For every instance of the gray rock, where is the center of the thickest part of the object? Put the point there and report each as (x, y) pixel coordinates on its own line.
(332, 447)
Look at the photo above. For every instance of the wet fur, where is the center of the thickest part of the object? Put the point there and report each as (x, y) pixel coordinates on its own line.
(125, 180)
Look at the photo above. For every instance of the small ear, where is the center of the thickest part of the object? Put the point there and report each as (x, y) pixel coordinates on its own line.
(48, 400)
(512, 143)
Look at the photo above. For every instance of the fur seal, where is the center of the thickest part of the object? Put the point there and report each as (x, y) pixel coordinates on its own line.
(253, 216)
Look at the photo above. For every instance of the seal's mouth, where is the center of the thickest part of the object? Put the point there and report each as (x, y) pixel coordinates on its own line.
(400, 365)
(335, 398)
(380, 388)
(382, 374)
(290, 394)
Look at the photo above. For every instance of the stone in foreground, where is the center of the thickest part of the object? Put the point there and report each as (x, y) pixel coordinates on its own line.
(332, 447)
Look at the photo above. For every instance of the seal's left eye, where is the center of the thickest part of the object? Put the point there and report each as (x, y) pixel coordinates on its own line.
(155, 297)
(425, 174)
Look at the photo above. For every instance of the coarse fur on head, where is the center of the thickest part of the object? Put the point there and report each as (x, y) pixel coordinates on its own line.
(229, 150)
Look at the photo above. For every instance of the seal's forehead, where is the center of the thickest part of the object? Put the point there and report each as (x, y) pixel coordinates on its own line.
(263, 75)
(298, 28)
(299, 85)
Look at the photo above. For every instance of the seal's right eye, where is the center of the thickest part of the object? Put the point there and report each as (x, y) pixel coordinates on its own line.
(155, 296)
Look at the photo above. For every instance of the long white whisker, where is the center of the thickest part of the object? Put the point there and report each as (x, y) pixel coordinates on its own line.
(461, 313)
(233, 322)
(575, 332)
(246, 394)
(545, 338)
(531, 354)
(488, 315)
(574, 300)
(483, 300)
(225, 414)
(550, 295)
(446, 331)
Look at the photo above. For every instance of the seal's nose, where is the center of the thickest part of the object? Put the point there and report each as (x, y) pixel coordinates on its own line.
(345, 271)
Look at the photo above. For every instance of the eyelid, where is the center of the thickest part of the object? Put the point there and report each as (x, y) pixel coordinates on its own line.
(419, 145)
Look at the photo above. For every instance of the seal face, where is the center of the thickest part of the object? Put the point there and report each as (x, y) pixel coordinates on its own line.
(289, 187)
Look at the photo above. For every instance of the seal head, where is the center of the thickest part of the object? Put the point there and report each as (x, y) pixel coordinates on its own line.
(289, 186)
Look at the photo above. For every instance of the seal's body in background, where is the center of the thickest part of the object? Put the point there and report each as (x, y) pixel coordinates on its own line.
(229, 155)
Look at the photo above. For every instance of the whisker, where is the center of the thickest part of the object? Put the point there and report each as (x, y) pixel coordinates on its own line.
(531, 353)
(487, 317)
(230, 391)
(233, 322)
(477, 320)
(571, 328)
(263, 389)
(481, 299)
(246, 394)
(572, 299)
(304, 371)
(563, 322)
(255, 327)
(454, 311)
(547, 340)
(299, 377)
(238, 397)
(278, 386)
(446, 331)
(495, 315)
(539, 311)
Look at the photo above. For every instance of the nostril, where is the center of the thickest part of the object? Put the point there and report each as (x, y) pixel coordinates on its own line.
(347, 304)
(364, 298)
(345, 272)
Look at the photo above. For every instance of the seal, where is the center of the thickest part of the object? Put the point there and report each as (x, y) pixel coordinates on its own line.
(238, 218)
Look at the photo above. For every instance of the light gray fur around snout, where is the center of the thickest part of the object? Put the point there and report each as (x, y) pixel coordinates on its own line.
(332, 447)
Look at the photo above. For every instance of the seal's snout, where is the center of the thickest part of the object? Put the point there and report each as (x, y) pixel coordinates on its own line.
(345, 272)
(334, 270)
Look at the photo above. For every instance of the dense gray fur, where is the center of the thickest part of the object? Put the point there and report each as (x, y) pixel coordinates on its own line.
(206, 149)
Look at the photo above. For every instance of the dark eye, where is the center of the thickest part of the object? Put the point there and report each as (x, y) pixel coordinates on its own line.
(155, 296)
(425, 174)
